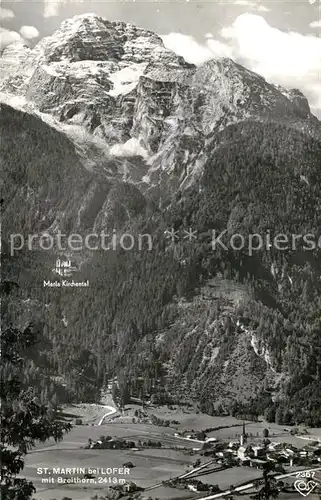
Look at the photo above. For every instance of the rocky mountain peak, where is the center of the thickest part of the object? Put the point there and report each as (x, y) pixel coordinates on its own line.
(119, 82)
(84, 37)
(89, 37)
(14, 51)
(246, 93)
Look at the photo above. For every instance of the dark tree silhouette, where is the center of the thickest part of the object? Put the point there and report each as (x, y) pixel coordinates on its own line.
(270, 488)
(23, 421)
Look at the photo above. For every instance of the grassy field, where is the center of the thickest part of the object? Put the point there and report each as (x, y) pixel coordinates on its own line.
(189, 419)
(90, 413)
(253, 429)
(150, 468)
(166, 493)
(232, 476)
(151, 465)
(80, 434)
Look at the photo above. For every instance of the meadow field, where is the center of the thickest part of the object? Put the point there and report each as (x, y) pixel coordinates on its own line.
(233, 476)
(151, 466)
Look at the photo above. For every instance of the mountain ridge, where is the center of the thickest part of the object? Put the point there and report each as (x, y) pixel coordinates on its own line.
(144, 142)
(119, 83)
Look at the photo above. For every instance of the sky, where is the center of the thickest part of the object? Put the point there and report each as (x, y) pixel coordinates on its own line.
(279, 39)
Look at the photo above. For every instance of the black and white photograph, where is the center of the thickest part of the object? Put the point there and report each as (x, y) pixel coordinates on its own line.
(160, 287)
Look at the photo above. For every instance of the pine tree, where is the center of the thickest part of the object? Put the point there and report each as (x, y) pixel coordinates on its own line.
(24, 420)
(269, 489)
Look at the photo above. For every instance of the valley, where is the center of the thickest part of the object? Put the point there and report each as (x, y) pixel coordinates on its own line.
(154, 467)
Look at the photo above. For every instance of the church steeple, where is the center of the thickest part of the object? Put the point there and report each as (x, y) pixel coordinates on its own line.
(243, 435)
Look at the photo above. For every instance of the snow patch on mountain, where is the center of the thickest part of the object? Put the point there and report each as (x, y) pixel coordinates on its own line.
(16, 101)
(126, 79)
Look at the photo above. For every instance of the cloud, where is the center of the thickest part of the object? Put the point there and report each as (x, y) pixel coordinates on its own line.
(192, 51)
(270, 51)
(315, 24)
(314, 89)
(287, 58)
(6, 14)
(252, 5)
(219, 49)
(52, 7)
(8, 36)
(29, 32)
(130, 148)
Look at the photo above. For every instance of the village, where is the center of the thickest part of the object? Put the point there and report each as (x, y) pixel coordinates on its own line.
(256, 451)
(217, 462)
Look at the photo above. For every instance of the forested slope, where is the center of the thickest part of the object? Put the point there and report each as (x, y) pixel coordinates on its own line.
(149, 316)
